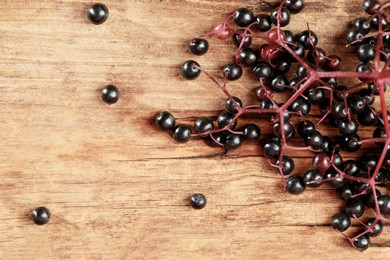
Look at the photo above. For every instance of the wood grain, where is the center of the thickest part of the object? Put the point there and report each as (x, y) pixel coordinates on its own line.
(116, 186)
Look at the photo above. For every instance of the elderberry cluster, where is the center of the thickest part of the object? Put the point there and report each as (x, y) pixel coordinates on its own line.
(290, 66)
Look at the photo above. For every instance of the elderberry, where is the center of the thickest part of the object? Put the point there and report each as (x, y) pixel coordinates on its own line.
(40, 215)
(98, 13)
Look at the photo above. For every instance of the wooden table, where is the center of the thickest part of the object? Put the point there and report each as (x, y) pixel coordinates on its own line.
(117, 187)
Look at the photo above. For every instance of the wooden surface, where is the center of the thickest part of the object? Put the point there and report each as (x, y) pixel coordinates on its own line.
(116, 186)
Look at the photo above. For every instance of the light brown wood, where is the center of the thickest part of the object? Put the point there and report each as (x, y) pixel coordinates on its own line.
(116, 186)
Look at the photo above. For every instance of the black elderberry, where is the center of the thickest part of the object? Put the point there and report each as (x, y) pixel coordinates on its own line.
(190, 69)
(363, 68)
(224, 118)
(362, 24)
(300, 105)
(40, 215)
(371, 6)
(279, 83)
(299, 50)
(304, 127)
(369, 198)
(348, 128)
(232, 71)
(341, 92)
(356, 104)
(243, 17)
(362, 242)
(352, 143)
(198, 201)
(247, 57)
(384, 204)
(272, 148)
(110, 94)
(313, 139)
(282, 66)
(333, 178)
(308, 39)
(301, 71)
(263, 23)
(345, 192)
(181, 133)
(353, 35)
(242, 38)
(339, 111)
(98, 13)
(295, 6)
(295, 185)
(262, 70)
(375, 23)
(366, 52)
(233, 141)
(367, 117)
(289, 130)
(355, 208)
(219, 137)
(351, 167)
(165, 120)
(315, 95)
(316, 56)
(369, 160)
(312, 178)
(367, 95)
(284, 18)
(231, 106)
(199, 46)
(251, 132)
(288, 36)
(341, 222)
(203, 124)
(376, 229)
(287, 164)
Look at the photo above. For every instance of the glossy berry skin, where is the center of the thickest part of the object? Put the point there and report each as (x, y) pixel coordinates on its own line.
(181, 133)
(247, 57)
(345, 192)
(198, 201)
(240, 39)
(263, 23)
(110, 94)
(243, 17)
(97, 13)
(315, 95)
(308, 39)
(377, 228)
(375, 23)
(351, 167)
(295, 6)
(355, 208)
(199, 46)
(371, 6)
(353, 35)
(304, 127)
(219, 137)
(40, 215)
(203, 125)
(341, 222)
(300, 105)
(232, 71)
(384, 204)
(251, 132)
(348, 128)
(231, 106)
(284, 16)
(357, 104)
(312, 178)
(340, 93)
(190, 69)
(278, 83)
(322, 162)
(289, 130)
(295, 185)
(262, 70)
(351, 143)
(366, 52)
(362, 243)
(314, 139)
(224, 118)
(332, 63)
(362, 24)
(367, 117)
(332, 179)
(272, 148)
(165, 120)
(233, 141)
(288, 164)
(339, 111)
(316, 56)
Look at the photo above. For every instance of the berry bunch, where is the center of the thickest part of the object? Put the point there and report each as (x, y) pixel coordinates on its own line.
(293, 66)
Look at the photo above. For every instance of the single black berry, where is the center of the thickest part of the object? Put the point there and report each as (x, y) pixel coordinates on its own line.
(181, 133)
(110, 94)
(40, 215)
(203, 124)
(199, 46)
(233, 141)
(295, 185)
(232, 71)
(165, 120)
(98, 13)
(190, 69)
(287, 164)
(243, 17)
(376, 229)
(283, 16)
(312, 178)
(355, 208)
(198, 201)
(272, 148)
(251, 132)
(362, 242)
(341, 222)
(263, 23)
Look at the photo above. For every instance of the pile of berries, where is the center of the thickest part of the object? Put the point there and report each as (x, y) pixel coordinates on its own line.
(291, 65)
